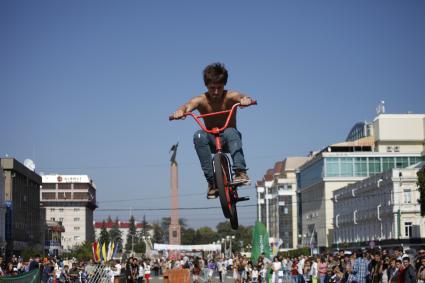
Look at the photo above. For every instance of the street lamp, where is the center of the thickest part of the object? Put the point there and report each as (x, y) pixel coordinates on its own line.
(223, 240)
(147, 239)
(230, 245)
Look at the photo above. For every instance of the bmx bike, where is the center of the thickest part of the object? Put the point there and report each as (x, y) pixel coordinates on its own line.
(222, 166)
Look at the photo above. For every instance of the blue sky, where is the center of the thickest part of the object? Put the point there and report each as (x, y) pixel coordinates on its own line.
(86, 86)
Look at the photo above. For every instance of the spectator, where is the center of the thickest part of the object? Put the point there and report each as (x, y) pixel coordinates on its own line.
(34, 263)
(421, 271)
(409, 274)
(360, 268)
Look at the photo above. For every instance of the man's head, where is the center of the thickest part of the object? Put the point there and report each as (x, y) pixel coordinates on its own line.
(406, 261)
(215, 78)
(215, 73)
(398, 251)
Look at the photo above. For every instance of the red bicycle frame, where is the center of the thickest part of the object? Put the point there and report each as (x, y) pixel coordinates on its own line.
(215, 131)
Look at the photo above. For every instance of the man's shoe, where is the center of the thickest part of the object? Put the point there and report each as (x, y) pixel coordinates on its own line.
(241, 177)
(212, 192)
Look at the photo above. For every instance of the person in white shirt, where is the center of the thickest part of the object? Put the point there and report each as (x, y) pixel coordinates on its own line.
(276, 267)
(254, 275)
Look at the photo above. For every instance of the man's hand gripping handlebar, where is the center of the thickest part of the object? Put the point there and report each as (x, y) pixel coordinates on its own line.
(197, 117)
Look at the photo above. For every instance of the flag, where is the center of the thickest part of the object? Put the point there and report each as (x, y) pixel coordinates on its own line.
(276, 246)
(260, 242)
(98, 251)
(110, 250)
(104, 252)
(94, 249)
(115, 250)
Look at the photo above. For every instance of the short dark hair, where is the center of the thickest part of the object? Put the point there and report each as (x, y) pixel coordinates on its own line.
(406, 258)
(215, 73)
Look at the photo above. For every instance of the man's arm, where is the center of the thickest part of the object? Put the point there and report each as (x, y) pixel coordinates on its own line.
(238, 97)
(188, 107)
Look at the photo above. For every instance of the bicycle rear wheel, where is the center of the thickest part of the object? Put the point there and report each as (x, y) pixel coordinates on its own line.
(222, 180)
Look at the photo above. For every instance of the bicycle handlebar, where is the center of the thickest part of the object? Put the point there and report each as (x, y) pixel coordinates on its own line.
(215, 130)
(171, 117)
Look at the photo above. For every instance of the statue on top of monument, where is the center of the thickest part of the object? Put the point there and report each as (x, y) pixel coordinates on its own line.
(174, 150)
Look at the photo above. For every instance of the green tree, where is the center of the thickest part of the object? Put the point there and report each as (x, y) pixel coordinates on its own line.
(158, 233)
(188, 236)
(115, 234)
(82, 252)
(243, 236)
(132, 237)
(205, 235)
(421, 187)
(104, 235)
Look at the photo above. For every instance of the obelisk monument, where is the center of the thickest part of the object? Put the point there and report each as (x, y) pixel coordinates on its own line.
(174, 230)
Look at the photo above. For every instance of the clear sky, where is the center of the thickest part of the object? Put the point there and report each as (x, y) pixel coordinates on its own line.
(86, 87)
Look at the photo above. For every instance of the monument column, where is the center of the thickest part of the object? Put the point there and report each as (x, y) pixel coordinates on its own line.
(174, 230)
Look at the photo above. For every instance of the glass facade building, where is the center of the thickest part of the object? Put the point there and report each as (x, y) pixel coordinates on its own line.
(365, 166)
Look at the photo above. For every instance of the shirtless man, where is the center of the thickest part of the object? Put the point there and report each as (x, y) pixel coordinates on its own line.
(217, 99)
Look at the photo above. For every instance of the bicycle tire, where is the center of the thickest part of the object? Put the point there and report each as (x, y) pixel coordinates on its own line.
(234, 214)
(221, 174)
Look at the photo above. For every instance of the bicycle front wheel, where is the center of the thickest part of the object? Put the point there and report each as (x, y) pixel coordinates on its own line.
(222, 181)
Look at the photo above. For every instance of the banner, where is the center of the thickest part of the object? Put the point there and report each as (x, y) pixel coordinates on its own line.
(260, 242)
(27, 277)
(210, 247)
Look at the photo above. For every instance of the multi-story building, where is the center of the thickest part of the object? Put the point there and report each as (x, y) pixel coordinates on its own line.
(395, 141)
(53, 242)
(277, 202)
(2, 214)
(124, 228)
(70, 199)
(24, 222)
(381, 208)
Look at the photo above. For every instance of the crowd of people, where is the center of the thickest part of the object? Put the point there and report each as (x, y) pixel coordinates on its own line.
(362, 266)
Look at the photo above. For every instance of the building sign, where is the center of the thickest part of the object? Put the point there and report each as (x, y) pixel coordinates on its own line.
(66, 179)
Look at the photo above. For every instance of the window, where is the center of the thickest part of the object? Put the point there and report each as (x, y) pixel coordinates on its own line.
(402, 162)
(346, 167)
(76, 228)
(387, 163)
(407, 195)
(332, 167)
(52, 209)
(374, 165)
(52, 218)
(61, 219)
(76, 209)
(360, 166)
(408, 229)
(285, 210)
(60, 209)
(76, 218)
(76, 238)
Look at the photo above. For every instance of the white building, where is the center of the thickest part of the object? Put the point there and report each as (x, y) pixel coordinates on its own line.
(277, 202)
(71, 200)
(394, 141)
(380, 208)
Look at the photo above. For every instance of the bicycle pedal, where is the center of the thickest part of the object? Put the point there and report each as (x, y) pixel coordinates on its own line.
(243, 199)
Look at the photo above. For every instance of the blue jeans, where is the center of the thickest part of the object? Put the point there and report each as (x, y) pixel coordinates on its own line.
(231, 140)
